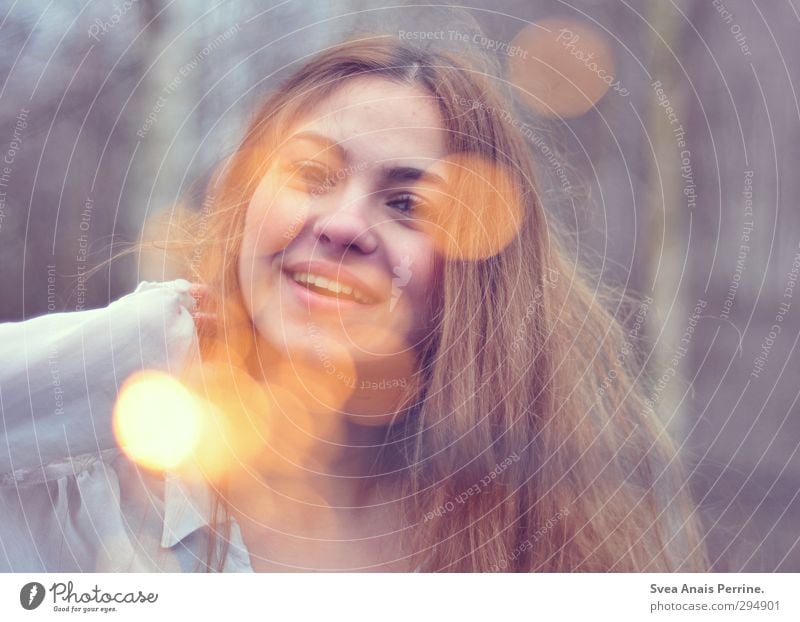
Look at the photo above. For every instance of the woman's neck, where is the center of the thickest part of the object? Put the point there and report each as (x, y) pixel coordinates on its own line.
(337, 469)
(319, 475)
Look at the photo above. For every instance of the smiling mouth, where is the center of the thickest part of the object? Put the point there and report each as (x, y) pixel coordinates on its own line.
(331, 288)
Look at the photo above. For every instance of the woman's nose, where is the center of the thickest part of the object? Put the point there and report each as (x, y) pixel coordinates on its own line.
(345, 229)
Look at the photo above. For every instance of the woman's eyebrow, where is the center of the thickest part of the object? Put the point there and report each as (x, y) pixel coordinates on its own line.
(396, 174)
(391, 174)
(323, 142)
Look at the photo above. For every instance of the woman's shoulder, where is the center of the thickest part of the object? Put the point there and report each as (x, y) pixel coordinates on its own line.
(96, 512)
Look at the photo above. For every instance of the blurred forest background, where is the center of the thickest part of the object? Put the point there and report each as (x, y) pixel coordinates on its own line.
(109, 111)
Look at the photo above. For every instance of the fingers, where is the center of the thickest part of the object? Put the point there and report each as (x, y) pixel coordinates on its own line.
(200, 291)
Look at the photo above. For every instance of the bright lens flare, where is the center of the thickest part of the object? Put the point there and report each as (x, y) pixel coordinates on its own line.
(566, 69)
(157, 421)
(482, 212)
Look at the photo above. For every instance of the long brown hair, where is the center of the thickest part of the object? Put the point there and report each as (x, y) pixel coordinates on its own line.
(531, 445)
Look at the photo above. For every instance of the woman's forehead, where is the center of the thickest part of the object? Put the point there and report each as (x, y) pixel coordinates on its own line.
(373, 119)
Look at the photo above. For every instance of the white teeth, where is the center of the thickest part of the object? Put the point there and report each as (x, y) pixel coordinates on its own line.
(332, 286)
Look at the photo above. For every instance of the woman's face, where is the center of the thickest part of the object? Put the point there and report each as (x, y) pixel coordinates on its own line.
(336, 263)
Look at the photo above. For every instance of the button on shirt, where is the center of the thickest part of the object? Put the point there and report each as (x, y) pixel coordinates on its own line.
(70, 499)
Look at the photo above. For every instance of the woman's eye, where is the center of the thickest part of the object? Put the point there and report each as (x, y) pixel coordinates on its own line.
(406, 203)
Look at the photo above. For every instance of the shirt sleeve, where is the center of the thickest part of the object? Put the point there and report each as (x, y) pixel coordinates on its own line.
(60, 373)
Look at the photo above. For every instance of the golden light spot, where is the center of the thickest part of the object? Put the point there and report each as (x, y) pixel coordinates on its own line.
(481, 212)
(156, 420)
(234, 410)
(565, 69)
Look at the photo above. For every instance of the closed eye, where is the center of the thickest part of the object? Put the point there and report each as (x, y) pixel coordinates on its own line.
(309, 176)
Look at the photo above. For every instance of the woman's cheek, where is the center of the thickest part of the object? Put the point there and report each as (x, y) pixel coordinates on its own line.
(426, 260)
(414, 269)
(275, 217)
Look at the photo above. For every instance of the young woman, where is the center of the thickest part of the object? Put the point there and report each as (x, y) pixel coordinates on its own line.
(407, 371)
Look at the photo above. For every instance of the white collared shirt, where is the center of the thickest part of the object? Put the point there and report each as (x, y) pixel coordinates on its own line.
(70, 499)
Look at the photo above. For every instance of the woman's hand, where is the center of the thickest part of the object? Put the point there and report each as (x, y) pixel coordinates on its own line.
(204, 321)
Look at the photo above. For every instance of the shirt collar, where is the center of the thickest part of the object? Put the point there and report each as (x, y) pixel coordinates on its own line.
(187, 505)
